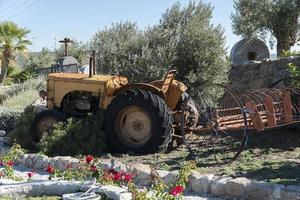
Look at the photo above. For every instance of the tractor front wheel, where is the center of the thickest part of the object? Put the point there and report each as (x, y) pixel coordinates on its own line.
(138, 121)
(44, 121)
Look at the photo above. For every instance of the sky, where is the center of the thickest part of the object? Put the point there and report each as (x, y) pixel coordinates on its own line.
(52, 20)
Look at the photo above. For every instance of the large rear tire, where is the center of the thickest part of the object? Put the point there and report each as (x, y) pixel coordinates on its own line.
(138, 121)
(44, 121)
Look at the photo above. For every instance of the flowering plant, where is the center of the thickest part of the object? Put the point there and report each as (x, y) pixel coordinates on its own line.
(164, 191)
(30, 175)
(7, 162)
(87, 168)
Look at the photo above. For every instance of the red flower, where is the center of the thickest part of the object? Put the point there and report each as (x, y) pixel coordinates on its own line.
(1, 163)
(30, 174)
(112, 171)
(93, 168)
(117, 177)
(128, 177)
(50, 169)
(10, 163)
(177, 190)
(89, 159)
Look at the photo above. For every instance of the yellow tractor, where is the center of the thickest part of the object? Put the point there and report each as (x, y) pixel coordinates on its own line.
(139, 117)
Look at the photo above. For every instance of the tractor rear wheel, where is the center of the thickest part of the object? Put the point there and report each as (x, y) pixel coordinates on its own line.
(44, 121)
(138, 121)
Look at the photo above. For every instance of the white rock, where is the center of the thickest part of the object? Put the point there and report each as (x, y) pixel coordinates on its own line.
(112, 192)
(143, 174)
(4, 149)
(29, 161)
(196, 197)
(218, 185)
(291, 192)
(4, 181)
(2, 133)
(171, 177)
(21, 160)
(262, 190)
(40, 162)
(39, 188)
(236, 187)
(113, 164)
(199, 183)
(162, 173)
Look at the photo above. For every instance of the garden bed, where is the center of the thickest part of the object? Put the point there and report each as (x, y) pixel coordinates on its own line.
(270, 156)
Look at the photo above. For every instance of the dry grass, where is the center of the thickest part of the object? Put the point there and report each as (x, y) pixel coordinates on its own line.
(7, 92)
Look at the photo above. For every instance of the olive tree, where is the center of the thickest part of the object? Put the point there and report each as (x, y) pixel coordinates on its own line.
(184, 39)
(257, 18)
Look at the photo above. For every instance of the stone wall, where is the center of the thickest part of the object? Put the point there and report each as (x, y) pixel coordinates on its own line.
(260, 75)
(224, 187)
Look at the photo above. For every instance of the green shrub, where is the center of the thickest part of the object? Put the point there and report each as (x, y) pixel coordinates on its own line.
(76, 137)
(8, 118)
(24, 76)
(22, 100)
(9, 91)
(22, 132)
(15, 99)
(13, 107)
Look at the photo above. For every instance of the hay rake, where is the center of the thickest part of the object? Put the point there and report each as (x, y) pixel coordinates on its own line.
(226, 116)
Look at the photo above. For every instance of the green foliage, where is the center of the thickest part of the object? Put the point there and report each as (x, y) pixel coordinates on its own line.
(15, 99)
(290, 53)
(119, 49)
(184, 39)
(7, 161)
(260, 17)
(39, 59)
(294, 74)
(22, 131)
(14, 154)
(24, 76)
(160, 190)
(78, 50)
(77, 136)
(12, 40)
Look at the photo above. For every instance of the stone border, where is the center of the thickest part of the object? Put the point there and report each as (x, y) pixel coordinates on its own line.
(59, 188)
(220, 186)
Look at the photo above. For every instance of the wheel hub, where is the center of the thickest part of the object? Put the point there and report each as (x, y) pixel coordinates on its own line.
(138, 125)
(45, 125)
(133, 126)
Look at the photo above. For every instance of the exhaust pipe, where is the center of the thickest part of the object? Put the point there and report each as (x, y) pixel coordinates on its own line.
(90, 67)
(94, 62)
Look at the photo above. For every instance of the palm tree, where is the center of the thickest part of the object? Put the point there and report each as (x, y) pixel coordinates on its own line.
(12, 40)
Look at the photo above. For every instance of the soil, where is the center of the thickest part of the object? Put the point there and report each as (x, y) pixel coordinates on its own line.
(272, 156)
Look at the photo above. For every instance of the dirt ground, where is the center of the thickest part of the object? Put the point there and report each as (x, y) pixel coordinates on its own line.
(272, 156)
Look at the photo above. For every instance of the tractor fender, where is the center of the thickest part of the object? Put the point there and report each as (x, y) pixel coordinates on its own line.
(143, 86)
(173, 96)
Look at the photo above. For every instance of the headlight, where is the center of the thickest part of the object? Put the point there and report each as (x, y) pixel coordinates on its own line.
(43, 94)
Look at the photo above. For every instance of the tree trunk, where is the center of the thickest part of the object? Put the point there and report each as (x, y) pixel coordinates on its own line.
(282, 46)
(4, 67)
